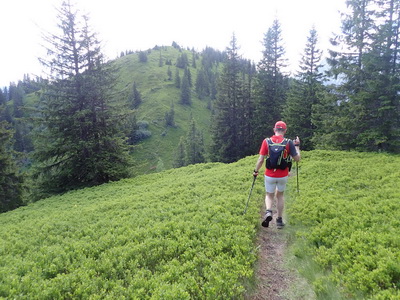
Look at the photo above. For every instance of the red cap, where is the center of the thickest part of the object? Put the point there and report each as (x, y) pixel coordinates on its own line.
(280, 125)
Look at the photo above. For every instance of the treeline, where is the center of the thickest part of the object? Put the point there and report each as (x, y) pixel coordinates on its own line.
(78, 133)
(353, 105)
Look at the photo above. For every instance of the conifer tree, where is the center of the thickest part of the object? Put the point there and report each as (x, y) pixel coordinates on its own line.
(194, 146)
(80, 143)
(143, 56)
(17, 96)
(189, 77)
(229, 136)
(11, 183)
(202, 85)
(169, 73)
(270, 84)
(2, 97)
(160, 61)
(186, 94)
(368, 69)
(135, 98)
(180, 155)
(246, 109)
(22, 140)
(194, 59)
(305, 91)
(170, 117)
(182, 61)
(177, 79)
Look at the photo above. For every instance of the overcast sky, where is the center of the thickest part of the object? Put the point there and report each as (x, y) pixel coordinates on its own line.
(141, 24)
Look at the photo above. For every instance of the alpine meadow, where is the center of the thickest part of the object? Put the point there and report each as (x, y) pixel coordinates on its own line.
(182, 234)
(131, 178)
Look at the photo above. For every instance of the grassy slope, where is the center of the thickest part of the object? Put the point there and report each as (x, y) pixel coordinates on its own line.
(181, 233)
(347, 217)
(156, 153)
(178, 234)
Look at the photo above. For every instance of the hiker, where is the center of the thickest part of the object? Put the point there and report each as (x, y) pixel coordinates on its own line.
(277, 169)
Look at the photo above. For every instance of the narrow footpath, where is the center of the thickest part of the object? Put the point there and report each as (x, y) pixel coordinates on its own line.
(275, 280)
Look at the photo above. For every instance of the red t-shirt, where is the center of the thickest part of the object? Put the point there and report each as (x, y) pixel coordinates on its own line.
(291, 150)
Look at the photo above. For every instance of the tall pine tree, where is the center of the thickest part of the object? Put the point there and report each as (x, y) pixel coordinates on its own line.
(11, 182)
(271, 83)
(305, 92)
(80, 143)
(2, 97)
(186, 93)
(135, 98)
(368, 70)
(180, 154)
(194, 146)
(230, 139)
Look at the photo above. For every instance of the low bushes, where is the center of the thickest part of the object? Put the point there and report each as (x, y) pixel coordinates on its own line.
(349, 204)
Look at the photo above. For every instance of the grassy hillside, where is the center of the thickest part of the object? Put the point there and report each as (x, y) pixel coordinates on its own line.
(158, 93)
(181, 233)
(347, 217)
(178, 234)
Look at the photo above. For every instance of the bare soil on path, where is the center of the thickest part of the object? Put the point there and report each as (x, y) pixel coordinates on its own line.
(275, 279)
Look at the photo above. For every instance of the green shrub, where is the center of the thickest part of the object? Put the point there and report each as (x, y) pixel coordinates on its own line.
(179, 234)
(349, 205)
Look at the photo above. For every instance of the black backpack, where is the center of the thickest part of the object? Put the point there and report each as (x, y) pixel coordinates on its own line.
(278, 158)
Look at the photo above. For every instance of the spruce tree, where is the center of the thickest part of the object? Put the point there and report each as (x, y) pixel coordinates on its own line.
(11, 182)
(160, 61)
(186, 94)
(17, 98)
(229, 136)
(177, 79)
(2, 97)
(135, 98)
(202, 85)
(182, 62)
(246, 108)
(143, 56)
(170, 117)
(194, 146)
(305, 91)
(169, 73)
(368, 70)
(194, 59)
(325, 120)
(271, 84)
(180, 155)
(80, 143)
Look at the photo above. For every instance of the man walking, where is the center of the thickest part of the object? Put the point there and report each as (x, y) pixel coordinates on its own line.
(277, 171)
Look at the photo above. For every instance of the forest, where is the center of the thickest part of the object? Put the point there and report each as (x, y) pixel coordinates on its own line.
(78, 127)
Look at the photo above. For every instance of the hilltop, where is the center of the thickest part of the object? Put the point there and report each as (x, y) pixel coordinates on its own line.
(159, 92)
(155, 81)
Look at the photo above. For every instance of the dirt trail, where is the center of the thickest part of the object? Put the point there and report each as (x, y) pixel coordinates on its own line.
(274, 280)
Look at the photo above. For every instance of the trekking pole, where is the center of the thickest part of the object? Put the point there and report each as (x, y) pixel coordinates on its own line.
(247, 204)
(297, 175)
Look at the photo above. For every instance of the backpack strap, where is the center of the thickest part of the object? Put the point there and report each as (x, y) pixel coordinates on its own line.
(269, 143)
(284, 142)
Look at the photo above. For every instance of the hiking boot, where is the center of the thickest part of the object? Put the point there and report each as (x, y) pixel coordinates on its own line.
(267, 218)
(279, 223)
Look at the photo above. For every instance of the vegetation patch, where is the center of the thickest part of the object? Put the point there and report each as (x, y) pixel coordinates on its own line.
(178, 234)
(347, 216)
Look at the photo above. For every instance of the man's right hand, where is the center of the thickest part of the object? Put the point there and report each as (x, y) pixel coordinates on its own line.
(255, 173)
